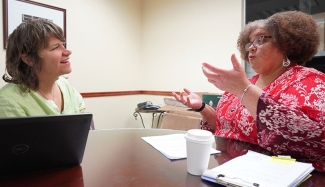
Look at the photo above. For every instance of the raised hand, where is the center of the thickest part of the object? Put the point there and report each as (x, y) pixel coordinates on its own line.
(233, 81)
(191, 100)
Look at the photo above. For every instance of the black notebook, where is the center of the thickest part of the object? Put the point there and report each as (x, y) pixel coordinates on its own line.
(42, 142)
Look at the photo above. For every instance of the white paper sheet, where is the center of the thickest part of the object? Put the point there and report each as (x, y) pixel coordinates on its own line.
(173, 146)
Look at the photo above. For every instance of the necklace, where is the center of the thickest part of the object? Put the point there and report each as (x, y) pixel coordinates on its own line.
(45, 96)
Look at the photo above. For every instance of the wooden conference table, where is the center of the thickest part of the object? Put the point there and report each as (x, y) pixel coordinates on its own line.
(119, 157)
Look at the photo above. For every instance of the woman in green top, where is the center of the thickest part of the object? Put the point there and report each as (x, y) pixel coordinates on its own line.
(36, 58)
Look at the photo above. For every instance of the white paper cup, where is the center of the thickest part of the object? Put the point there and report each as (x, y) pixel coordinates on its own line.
(198, 147)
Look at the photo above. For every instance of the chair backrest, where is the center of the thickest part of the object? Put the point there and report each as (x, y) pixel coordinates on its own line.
(179, 122)
(186, 113)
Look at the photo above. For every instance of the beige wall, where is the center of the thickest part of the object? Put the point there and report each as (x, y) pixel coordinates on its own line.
(121, 45)
(178, 35)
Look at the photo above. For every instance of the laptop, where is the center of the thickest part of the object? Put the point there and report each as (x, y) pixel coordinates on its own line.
(35, 143)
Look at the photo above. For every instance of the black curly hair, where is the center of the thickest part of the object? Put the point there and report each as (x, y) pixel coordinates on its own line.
(293, 32)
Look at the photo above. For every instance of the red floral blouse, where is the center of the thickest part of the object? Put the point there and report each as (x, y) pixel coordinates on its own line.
(290, 116)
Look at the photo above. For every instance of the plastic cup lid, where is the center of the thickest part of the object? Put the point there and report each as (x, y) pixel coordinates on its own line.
(199, 135)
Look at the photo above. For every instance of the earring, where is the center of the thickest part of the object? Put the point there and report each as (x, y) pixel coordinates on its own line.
(287, 62)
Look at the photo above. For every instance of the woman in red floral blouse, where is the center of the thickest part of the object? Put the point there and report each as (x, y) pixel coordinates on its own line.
(282, 108)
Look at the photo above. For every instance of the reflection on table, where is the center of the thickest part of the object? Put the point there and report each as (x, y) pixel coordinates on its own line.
(119, 157)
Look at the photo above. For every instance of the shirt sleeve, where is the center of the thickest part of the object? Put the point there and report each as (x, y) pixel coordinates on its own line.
(10, 108)
(82, 105)
(205, 126)
(297, 128)
(73, 97)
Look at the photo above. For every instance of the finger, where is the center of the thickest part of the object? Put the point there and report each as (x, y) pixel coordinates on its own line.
(209, 73)
(235, 63)
(182, 97)
(176, 96)
(187, 91)
(216, 82)
(188, 102)
(210, 68)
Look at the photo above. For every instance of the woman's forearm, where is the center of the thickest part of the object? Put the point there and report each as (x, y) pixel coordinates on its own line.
(209, 114)
(250, 98)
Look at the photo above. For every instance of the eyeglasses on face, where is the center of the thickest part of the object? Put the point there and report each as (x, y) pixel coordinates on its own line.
(257, 42)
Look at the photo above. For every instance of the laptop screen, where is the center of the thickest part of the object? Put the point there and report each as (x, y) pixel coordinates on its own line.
(42, 142)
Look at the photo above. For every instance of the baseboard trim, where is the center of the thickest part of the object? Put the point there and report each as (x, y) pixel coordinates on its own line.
(122, 93)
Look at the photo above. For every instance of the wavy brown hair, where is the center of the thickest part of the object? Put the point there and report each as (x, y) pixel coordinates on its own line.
(293, 32)
(28, 38)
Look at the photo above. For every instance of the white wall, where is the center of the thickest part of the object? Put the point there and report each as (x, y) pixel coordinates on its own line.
(178, 35)
(120, 45)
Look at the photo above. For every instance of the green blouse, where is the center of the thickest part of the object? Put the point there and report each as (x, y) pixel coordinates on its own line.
(14, 103)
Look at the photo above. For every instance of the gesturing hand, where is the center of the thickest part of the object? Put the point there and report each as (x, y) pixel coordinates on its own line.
(233, 81)
(192, 100)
